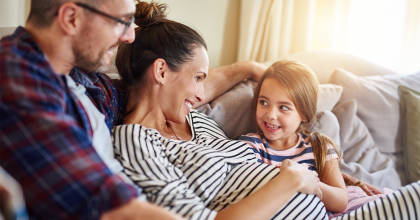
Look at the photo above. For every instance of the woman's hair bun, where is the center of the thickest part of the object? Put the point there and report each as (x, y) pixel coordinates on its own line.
(149, 13)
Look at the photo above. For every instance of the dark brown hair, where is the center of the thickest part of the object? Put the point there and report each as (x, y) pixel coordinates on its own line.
(156, 37)
(42, 12)
(301, 85)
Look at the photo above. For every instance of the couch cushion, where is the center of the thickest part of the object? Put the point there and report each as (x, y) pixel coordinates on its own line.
(361, 157)
(323, 63)
(232, 110)
(377, 103)
(410, 128)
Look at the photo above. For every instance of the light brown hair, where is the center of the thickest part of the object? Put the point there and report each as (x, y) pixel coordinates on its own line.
(301, 86)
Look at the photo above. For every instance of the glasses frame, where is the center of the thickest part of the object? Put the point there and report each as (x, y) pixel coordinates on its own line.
(94, 10)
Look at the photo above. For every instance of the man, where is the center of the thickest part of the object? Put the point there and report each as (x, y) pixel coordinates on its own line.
(56, 114)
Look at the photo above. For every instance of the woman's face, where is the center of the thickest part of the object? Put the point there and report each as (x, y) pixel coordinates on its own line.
(185, 88)
(276, 114)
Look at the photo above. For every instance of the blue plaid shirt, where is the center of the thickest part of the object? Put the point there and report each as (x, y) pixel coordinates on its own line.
(46, 137)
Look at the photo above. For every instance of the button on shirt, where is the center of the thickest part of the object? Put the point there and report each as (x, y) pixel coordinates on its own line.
(46, 137)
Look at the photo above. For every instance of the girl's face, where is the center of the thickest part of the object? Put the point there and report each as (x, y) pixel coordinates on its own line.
(185, 88)
(276, 114)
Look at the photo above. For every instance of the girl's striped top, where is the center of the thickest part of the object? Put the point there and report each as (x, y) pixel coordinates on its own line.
(300, 153)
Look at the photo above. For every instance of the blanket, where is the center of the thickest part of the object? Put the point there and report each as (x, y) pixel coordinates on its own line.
(357, 198)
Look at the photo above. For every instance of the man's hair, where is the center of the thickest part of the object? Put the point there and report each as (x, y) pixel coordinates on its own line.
(42, 12)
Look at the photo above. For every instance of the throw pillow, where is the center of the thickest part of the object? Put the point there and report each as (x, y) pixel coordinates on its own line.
(326, 123)
(377, 103)
(410, 129)
(232, 110)
(361, 157)
(328, 96)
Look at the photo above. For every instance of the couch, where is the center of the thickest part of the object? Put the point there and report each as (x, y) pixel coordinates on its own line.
(359, 108)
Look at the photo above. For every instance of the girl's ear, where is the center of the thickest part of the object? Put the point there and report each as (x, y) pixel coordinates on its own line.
(159, 71)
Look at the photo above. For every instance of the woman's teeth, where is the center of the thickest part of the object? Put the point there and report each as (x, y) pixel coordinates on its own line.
(189, 105)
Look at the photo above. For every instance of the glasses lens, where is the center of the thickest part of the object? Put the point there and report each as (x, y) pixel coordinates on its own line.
(127, 25)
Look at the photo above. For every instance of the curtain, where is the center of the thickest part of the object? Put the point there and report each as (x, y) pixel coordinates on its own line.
(270, 29)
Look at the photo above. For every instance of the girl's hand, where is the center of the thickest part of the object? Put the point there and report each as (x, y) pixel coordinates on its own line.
(307, 181)
(369, 189)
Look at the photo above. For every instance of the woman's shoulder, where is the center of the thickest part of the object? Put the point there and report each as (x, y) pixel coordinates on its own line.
(136, 130)
(204, 125)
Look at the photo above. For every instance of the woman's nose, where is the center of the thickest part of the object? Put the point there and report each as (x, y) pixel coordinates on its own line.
(199, 96)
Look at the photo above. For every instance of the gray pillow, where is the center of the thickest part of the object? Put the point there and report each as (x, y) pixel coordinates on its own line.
(232, 110)
(326, 123)
(361, 157)
(410, 129)
(377, 103)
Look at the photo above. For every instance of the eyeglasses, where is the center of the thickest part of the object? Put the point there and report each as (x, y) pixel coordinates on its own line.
(126, 23)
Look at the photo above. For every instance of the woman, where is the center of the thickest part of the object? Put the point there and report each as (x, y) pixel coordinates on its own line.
(191, 168)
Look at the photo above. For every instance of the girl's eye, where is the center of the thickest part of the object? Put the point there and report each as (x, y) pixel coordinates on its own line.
(262, 102)
(284, 108)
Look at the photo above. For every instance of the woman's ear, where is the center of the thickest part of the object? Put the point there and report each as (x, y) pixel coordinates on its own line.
(159, 68)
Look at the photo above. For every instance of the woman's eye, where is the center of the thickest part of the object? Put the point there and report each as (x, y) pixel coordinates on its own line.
(197, 78)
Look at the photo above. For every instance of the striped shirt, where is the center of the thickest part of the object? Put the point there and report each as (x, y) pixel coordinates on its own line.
(300, 153)
(197, 178)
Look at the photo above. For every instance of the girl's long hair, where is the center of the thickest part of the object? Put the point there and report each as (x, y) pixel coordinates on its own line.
(301, 85)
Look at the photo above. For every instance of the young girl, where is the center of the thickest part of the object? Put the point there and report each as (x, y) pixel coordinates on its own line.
(284, 103)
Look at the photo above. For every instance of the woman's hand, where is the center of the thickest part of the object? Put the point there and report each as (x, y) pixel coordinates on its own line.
(306, 180)
(369, 189)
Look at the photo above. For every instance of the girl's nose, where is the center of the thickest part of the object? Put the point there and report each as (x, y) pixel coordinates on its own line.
(272, 114)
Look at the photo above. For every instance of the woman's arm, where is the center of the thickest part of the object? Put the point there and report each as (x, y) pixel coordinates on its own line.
(221, 79)
(333, 187)
(266, 201)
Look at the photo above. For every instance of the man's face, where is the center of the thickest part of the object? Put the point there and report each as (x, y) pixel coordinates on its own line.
(99, 36)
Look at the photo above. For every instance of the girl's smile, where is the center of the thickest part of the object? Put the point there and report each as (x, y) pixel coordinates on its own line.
(276, 115)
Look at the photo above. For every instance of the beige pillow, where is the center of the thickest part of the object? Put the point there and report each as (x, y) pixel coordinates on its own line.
(377, 103)
(328, 96)
(361, 157)
(410, 129)
(232, 110)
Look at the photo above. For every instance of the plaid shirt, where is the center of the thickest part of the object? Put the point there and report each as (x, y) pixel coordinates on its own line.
(46, 137)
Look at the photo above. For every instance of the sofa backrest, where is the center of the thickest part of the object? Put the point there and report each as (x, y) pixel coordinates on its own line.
(323, 63)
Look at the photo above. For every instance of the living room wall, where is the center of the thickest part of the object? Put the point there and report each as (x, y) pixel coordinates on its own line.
(13, 12)
(216, 20)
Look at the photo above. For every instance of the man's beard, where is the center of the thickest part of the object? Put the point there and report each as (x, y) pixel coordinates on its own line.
(85, 61)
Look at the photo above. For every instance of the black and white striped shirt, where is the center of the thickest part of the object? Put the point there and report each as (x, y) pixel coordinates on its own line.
(194, 178)
(197, 178)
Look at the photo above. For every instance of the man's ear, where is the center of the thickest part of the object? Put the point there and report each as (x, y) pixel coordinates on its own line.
(68, 17)
(159, 71)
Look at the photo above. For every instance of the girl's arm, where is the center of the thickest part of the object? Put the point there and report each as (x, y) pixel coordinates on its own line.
(333, 187)
(267, 200)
